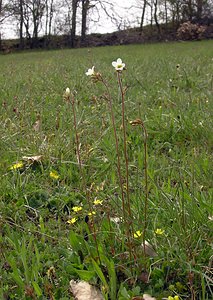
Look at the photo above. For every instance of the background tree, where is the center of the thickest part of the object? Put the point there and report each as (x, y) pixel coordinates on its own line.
(49, 13)
(85, 8)
(144, 6)
(74, 22)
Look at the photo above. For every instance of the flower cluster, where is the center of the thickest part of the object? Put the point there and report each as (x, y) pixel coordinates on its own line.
(77, 208)
(16, 166)
(118, 65)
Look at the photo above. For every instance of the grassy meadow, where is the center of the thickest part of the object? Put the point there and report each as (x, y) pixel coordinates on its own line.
(63, 219)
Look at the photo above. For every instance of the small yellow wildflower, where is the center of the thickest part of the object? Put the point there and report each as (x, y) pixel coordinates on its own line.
(77, 208)
(159, 231)
(16, 166)
(72, 221)
(97, 202)
(173, 298)
(137, 234)
(54, 175)
(92, 213)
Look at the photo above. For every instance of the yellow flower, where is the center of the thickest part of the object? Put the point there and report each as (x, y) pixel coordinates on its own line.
(72, 221)
(16, 166)
(77, 208)
(159, 231)
(137, 234)
(173, 298)
(92, 213)
(97, 202)
(54, 175)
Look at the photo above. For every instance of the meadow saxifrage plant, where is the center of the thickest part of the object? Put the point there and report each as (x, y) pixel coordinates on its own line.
(119, 66)
(97, 77)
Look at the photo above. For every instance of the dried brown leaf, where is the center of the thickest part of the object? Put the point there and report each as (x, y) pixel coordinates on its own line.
(34, 158)
(149, 250)
(84, 291)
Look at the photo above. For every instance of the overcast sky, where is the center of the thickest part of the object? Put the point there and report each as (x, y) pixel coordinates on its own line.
(121, 7)
(102, 26)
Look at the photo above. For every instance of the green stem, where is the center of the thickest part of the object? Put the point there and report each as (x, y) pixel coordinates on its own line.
(129, 224)
(83, 177)
(146, 186)
(116, 146)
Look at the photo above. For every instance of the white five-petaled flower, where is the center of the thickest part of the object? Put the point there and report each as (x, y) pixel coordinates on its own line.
(91, 72)
(118, 65)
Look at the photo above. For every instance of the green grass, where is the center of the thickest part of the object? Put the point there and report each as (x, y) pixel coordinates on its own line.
(39, 251)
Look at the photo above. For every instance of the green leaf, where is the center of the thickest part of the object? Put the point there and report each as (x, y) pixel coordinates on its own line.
(100, 274)
(112, 276)
(85, 275)
(37, 289)
(75, 241)
(17, 279)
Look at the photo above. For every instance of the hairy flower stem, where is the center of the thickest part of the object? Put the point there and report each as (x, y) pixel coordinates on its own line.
(83, 177)
(76, 134)
(129, 229)
(145, 137)
(116, 146)
(146, 187)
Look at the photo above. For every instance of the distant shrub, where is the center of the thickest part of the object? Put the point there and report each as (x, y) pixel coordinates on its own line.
(190, 31)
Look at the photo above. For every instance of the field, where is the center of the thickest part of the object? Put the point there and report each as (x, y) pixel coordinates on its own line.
(76, 205)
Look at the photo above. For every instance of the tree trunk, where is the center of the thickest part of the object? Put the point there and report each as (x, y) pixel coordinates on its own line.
(0, 24)
(21, 24)
(50, 18)
(190, 10)
(199, 9)
(155, 16)
(85, 8)
(151, 14)
(143, 15)
(73, 29)
(166, 12)
(46, 17)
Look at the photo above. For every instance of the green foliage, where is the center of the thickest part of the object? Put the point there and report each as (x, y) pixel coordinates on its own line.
(44, 243)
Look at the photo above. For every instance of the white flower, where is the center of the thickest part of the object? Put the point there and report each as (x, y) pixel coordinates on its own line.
(118, 65)
(67, 92)
(91, 72)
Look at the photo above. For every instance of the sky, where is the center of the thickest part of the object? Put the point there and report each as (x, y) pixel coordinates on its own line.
(104, 24)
